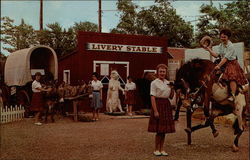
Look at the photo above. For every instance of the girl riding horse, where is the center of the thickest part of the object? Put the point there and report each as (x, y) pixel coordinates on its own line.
(198, 84)
(233, 73)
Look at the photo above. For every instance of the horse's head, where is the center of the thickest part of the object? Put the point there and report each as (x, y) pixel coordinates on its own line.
(181, 83)
(182, 89)
(190, 77)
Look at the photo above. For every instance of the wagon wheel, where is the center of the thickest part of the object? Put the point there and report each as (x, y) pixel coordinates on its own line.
(23, 99)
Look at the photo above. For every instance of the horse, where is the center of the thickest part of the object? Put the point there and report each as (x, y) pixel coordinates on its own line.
(198, 84)
(51, 97)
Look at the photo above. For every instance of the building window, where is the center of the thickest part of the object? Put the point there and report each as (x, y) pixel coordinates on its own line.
(66, 76)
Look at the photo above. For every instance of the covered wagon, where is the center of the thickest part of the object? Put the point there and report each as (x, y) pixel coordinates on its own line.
(21, 65)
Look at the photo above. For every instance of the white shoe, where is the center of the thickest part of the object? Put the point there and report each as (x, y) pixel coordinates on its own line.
(38, 123)
(157, 153)
(163, 153)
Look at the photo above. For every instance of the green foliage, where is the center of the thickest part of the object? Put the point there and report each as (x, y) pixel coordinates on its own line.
(235, 16)
(85, 26)
(61, 40)
(16, 36)
(158, 20)
(21, 36)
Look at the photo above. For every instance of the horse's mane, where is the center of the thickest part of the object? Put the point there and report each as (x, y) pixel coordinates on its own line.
(193, 71)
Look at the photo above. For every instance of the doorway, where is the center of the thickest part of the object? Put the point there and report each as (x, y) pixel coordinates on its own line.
(104, 68)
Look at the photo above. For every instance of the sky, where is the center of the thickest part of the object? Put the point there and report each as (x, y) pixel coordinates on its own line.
(68, 12)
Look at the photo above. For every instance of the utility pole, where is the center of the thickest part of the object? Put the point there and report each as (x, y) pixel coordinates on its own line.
(211, 2)
(100, 16)
(41, 15)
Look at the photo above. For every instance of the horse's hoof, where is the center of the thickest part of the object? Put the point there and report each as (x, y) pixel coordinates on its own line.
(215, 134)
(188, 130)
(235, 148)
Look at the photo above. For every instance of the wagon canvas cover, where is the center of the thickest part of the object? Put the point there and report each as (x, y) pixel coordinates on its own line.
(18, 64)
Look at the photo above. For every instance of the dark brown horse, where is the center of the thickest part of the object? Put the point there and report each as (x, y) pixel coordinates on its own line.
(197, 84)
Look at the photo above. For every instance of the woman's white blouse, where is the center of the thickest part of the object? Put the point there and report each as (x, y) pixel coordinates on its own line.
(130, 86)
(96, 85)
(160, 89)
(36, 84)
(227, 51)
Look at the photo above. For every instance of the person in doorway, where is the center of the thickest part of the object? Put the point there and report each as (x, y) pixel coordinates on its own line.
(96, 102)
(161, 118)
(130, 88)
(37, 102)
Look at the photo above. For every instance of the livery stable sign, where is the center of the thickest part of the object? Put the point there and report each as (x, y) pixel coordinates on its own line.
(123, 48)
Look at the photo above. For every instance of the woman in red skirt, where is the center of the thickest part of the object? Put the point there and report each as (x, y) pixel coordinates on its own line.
(233, 73)
(161, 118)
(130, 88)
(37, 102)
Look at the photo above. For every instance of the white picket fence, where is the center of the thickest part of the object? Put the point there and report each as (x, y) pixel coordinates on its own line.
(11, 114)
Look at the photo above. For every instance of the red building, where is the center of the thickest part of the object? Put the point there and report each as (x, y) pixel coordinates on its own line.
(103, 52)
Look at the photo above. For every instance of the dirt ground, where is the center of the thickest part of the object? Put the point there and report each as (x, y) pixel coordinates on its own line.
(113, 138)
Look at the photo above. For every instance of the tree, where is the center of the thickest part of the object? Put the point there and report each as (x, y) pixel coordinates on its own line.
(234, 16)
(61, 40)
(16, 36)
(159, 19)
(85, 26)
(127, 24)
(81, 26)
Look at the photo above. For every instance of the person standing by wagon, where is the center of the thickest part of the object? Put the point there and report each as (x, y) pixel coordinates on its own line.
(130, 88)
(37, 102)
(96, 102)
(161, 118)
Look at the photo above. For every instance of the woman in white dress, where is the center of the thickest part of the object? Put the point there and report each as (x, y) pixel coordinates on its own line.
(37, 102)
(161, 118)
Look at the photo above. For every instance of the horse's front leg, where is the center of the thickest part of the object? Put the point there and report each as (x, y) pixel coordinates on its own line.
(206, 105)
(177, 111)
